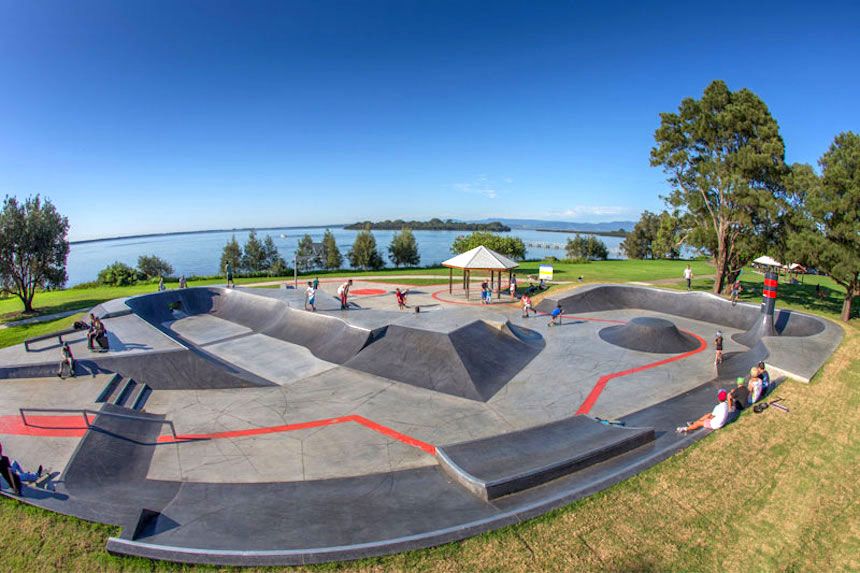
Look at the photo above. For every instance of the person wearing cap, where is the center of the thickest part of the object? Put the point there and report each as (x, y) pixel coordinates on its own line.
(714, 420)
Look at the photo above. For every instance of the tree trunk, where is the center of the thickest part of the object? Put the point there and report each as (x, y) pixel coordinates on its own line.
(721, 263)
(852, 291)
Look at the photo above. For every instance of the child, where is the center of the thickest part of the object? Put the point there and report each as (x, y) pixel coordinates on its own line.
(527, 305)
(718, 345)
(310, 297)
(513, 288)
(736, 290)
(556, 315)
(401, 298)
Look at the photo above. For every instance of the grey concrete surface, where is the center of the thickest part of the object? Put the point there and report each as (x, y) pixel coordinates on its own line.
(300, 489)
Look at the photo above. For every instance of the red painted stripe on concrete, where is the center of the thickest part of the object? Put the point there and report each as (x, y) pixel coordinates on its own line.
(384, 430)
(437, 295)
(769, 293)
(44, 426)
(394, 434)
(592, 397)
(770, 282)
(254, 431)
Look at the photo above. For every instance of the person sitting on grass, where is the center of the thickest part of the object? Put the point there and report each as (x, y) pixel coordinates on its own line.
(715, 420)
(739, 398)
(12, 472)
(755, 385)
(765, 378)
(556, 315)
(67, 359)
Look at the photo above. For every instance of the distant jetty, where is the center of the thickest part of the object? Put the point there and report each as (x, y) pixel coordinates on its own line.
(431, 225)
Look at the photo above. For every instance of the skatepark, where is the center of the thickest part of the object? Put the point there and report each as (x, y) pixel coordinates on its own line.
(232, 426)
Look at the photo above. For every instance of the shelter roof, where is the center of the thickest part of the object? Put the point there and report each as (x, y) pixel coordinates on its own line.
(481, 258)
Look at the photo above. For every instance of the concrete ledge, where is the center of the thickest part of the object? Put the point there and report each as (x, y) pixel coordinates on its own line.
(508, 463)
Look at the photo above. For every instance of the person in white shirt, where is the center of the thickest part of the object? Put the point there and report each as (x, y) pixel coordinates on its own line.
(715, 420)
(688, 276)
(310, 297)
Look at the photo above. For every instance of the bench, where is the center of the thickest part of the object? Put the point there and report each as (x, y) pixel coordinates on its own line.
(58, 335)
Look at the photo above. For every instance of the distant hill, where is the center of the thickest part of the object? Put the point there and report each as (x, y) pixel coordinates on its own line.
(564, 225)
(432, 225)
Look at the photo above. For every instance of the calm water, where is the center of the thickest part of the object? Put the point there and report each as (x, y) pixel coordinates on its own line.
(200, 253)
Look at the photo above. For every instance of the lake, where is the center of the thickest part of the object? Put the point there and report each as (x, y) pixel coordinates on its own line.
(200, 253)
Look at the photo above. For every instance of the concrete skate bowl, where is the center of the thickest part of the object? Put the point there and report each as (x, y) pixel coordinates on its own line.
(327, 338)
(694, 305)
(649, 334)
(797, 360)
(474, 361)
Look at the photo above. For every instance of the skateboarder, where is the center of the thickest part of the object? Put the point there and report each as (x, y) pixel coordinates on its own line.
(67, 360)
(229, 270)
(310, 297)
(688, 276)
(556, 315)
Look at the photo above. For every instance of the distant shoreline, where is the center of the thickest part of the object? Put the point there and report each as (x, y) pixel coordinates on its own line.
(597, 233)
(205, 231)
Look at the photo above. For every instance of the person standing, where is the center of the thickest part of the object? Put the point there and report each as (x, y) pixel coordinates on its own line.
(513, 286)
(160, 284)
(718, 346)
(736, 290)
(182, 282)
(310, 297)
(688, 276)
(343, 294)
(527, 304)
(316, 283)
(484, 288)
(229, 269)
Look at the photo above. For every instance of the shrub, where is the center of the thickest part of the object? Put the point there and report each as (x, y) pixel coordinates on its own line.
(118, 274)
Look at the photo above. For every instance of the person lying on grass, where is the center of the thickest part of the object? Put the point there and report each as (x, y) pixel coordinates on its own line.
(715, 420)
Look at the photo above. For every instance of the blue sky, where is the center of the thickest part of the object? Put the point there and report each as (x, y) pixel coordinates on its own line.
(150, 116)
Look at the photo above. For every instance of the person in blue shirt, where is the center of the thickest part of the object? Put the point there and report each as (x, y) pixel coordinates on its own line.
(556, 315)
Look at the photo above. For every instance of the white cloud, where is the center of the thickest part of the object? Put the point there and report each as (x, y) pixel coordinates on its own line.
(592, 211)
(480, 186)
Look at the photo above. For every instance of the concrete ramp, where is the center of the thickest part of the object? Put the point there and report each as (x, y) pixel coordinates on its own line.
(474, 361)
(507, 463)
(328, 338)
